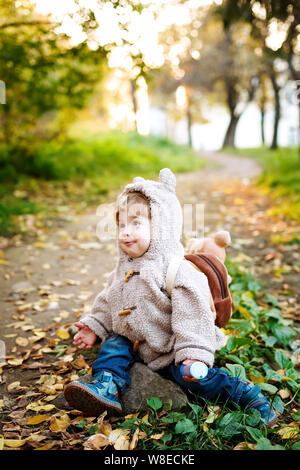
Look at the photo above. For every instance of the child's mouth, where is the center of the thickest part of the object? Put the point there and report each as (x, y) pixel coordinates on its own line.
(128, 243)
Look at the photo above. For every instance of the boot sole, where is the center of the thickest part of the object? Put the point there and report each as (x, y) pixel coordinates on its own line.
(81, 399)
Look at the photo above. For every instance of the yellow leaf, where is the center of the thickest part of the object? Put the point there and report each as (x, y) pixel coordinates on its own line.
(21, 341)
(245, 446)
(257, 380)
(105, 428)
(157, 436)
(13, 386)
(289, 432)
(39, 333)
(59, 424)
(238, 201)
(134, 415)
(47, 446)
(248, 295)
(15, 362)
(37, 419)
(205, 427)
(244, 312)
(37, 406)
(14, 442)
(63, 334)
(39, 244)
(145, 419)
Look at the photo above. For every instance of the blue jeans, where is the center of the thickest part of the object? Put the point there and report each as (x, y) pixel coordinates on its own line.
(117, 356)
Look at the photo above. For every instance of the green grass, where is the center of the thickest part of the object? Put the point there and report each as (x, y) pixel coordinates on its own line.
(280, 177)
(82, 171)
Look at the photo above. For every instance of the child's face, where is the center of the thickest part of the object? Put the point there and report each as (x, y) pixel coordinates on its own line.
(134, 230)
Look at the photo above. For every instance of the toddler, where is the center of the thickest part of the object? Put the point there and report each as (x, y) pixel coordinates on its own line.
(136, 320)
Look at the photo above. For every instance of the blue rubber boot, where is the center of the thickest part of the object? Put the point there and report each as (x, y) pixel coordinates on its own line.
(252, 398)
(95, 397)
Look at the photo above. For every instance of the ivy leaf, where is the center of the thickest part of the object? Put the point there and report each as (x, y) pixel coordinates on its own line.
(155, 403)
(272, 300)
(173, 417)
(255, 433)
(236, 370)
(265, 444)
(185, 426)
(269, 340)
(278, 404)
(282, 359)
(268, 387)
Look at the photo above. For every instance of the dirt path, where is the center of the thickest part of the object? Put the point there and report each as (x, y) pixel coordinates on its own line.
(64, 268)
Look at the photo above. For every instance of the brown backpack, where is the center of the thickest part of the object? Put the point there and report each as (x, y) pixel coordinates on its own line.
(217, 277)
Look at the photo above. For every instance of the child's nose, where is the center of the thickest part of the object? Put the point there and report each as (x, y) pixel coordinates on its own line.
(125, 231)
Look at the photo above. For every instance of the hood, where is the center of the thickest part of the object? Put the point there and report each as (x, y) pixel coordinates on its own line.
(166, 215)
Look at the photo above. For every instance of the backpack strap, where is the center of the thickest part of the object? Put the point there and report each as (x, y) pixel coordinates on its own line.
(171, 273)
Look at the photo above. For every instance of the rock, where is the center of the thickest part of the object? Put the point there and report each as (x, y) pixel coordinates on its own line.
(144, 384)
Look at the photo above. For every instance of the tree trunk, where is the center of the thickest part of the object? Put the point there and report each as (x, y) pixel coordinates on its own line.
(189, 126)
(231, 130)
(276, 90)
(134, 104)
(262, 124)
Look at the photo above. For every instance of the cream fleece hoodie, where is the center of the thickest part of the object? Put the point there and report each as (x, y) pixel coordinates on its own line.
(163, 328)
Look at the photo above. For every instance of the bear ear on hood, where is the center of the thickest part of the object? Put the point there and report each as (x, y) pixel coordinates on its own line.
(167, 178)
(138, 179)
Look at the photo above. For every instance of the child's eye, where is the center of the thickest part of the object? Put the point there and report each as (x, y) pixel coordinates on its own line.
(122, 225)
(136, 222)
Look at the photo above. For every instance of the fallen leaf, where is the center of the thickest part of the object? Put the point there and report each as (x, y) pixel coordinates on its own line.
(289, 432)
(134, 440)
(116, 433)
(34, 439)
(105, 428)
(37, 406)
(122, 443)
(37, 419)
(60, 423)
(47, 446)
(255, 379)
(284, 393)
(157, 436)
(96, 441)
(15, 362)
(245, 446)
(63, 334)
(13, 386)
(21, 341)
(14, 442)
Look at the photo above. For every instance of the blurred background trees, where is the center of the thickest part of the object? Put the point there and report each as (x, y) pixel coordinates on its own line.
(174, 68)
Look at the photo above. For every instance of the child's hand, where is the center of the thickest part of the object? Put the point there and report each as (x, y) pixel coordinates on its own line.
(85, 338)
(187, 362)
